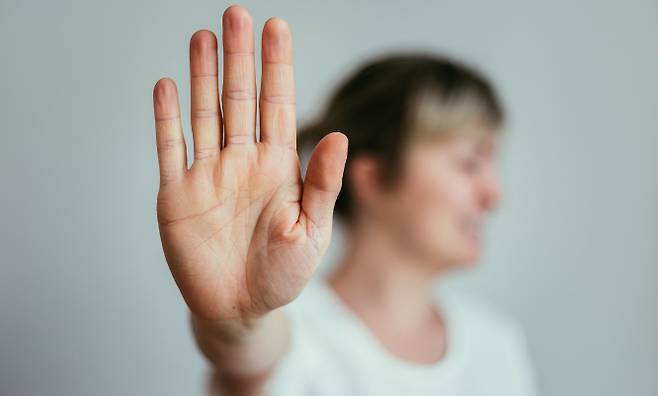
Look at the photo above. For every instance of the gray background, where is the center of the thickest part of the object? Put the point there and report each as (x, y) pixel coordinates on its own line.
(87, 305)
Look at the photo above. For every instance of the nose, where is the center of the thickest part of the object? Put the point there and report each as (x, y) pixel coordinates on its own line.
(490, 193)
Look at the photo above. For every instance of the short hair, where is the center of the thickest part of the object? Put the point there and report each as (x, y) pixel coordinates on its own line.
(394, 99)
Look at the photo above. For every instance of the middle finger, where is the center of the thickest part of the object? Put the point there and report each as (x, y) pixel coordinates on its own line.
(239, 86)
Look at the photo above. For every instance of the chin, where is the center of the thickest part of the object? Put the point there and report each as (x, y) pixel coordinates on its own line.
(453, 254)
(471, 251)
(464, 259)
(473, 256)
(472, 260)
(467, 258)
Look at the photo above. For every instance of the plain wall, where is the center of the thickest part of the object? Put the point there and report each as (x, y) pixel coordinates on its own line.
(87, 303)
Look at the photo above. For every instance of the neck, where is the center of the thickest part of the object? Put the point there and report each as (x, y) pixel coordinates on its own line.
(381, 282)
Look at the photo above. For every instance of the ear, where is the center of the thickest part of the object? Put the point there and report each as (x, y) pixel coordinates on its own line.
(363, 176)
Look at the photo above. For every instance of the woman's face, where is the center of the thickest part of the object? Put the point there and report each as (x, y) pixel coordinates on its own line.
(446, 190)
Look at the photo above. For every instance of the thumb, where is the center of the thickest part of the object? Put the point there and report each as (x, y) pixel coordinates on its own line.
(323, 181)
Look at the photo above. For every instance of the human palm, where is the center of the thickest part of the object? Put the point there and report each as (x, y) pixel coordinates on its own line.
(241, 231)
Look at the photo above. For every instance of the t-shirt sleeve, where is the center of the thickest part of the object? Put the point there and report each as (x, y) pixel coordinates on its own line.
(292, 374)
(521, 364)
(497, 351)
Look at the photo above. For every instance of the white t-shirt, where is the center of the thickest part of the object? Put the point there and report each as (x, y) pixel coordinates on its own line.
(333, 353)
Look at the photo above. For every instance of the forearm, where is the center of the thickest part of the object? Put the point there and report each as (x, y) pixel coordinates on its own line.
(243, 352)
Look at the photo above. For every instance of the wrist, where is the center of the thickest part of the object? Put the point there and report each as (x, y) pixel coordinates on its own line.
(244, 345)
(230, 330)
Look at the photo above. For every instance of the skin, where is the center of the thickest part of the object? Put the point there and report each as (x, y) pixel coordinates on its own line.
(242, 232)
(437, 207)
(403, 238)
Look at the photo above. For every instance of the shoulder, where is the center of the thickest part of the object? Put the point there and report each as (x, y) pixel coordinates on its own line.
(487, 328)
(492, 342)
(316, 303)
(479, 315)
(309, 297)
(310, 306)
(318, 320)
(314, 354)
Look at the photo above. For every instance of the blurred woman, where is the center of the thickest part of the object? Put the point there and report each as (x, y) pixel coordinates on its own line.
(412, 174)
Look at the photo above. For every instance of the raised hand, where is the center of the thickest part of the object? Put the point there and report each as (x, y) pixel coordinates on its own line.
(241, 231)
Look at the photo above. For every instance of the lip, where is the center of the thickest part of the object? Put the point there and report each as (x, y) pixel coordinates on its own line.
(472, 228)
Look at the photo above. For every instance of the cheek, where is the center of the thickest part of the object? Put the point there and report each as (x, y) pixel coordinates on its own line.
(435, 193)
(436, 205)
(432, 203)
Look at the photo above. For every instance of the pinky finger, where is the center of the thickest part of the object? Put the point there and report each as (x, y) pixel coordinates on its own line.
(172, 152)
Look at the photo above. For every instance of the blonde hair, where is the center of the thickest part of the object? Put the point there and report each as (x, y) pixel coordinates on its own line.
(395, 99)
(432, 114)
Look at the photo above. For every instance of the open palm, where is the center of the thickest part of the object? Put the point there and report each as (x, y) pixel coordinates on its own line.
(241, 231)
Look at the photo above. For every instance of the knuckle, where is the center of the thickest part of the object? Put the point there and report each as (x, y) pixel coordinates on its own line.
(241, 138)
(168, 144)
(239, 94)
(284, 99)
(205, 113)
(206, 152)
